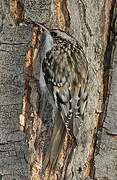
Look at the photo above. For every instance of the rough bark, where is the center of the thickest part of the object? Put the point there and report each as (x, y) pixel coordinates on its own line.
(89, 22)
(13, 44)
(106, 155)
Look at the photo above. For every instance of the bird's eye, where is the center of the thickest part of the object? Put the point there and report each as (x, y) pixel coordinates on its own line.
(54, 34)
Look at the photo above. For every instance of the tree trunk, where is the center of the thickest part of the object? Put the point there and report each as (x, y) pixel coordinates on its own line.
(24, 136)
(13, 44)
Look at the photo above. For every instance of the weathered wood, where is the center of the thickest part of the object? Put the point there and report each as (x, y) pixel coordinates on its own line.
(105, 158)
(13, 44)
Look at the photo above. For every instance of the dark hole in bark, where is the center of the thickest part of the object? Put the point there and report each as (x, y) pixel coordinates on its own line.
(18, 3)
(79, 170)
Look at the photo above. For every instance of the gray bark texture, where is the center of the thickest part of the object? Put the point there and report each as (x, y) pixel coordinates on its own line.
(13, 44)
(24, 137)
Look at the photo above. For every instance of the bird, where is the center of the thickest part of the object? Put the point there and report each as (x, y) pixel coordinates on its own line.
(64, 74)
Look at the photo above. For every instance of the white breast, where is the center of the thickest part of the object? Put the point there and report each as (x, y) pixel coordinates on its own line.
(46, 45)
(42, 82)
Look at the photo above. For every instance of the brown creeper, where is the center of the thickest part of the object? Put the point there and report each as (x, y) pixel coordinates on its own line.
(64, 72)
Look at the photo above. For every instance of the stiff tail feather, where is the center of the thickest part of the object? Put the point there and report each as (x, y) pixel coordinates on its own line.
(56, 144)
